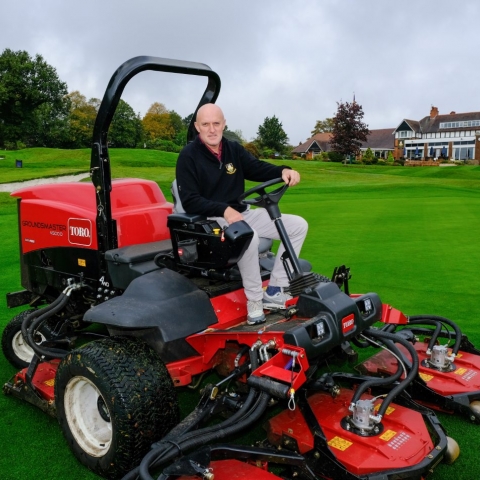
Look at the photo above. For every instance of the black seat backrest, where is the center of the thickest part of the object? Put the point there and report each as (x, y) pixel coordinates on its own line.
(177, 203)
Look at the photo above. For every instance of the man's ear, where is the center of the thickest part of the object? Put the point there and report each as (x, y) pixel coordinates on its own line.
(196, 127)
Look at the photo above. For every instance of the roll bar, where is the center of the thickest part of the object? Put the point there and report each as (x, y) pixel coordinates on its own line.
(100, 160)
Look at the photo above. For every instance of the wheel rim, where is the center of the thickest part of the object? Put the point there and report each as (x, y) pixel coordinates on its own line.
(22, 349)
(88, 416)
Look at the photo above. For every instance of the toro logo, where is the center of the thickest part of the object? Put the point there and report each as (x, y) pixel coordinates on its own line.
(80, 231)
(348, 323)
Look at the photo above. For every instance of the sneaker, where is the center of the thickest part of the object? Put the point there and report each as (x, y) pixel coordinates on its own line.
(275, 297)
(255, 312)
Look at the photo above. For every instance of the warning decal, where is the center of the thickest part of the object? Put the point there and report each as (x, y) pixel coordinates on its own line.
(425, 377)
(388, 435)
(389, 411)
(339, 443)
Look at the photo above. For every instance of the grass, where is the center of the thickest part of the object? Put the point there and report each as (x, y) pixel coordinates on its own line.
(409, 234)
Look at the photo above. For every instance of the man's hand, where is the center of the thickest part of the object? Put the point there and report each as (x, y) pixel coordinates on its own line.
(231, 215)
(290, 177)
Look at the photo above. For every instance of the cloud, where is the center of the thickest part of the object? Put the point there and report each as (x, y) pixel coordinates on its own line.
(290, 58)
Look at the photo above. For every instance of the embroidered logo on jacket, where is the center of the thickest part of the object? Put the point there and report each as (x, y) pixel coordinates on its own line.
(230, 168)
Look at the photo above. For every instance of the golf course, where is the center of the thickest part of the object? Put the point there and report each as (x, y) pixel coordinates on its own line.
(410, 234)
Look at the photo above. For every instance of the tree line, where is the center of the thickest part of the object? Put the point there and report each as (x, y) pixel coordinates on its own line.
(36, 110)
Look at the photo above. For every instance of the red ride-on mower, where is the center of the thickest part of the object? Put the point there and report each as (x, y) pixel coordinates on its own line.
(449, 365)
(164, 294)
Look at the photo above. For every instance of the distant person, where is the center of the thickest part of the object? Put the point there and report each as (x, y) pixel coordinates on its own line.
(211, 173)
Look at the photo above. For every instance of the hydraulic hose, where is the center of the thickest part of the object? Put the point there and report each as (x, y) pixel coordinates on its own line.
(436, 333)
(396, 352)
(377, 334)
(47, 352)
(152, 459)
(169, 447)
(41, 311)
(33, 321)
(373, 382)
(418, 319)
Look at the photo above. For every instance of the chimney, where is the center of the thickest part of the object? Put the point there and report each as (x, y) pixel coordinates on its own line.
(433, 112)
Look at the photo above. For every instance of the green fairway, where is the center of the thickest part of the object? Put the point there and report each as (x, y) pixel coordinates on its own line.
(409, 234)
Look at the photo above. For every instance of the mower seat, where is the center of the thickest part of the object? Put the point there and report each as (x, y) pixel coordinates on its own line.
(179, 213)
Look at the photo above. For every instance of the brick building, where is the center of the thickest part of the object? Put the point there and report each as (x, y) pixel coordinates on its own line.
(455, 136)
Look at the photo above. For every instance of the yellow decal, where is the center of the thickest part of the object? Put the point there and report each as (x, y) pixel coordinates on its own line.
(339, 443)
(49, 383)
(388, 435)
(459, 355)
(425, 377)
(389, 411)
(460, 371)
(82, 262)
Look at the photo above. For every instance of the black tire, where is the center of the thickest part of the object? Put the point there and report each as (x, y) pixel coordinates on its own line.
(15, 349)
(114, 398)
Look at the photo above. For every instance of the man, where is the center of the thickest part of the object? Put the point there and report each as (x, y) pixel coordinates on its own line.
(211, 173)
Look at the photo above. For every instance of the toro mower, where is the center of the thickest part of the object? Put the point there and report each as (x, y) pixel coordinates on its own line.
(129, 301)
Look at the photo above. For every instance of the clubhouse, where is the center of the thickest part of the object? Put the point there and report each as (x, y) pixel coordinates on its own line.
(455, 136)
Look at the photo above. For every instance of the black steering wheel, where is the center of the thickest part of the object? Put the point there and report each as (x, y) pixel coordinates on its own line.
(267, 200)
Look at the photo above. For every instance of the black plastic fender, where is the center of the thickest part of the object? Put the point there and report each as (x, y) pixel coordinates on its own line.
(163, 302)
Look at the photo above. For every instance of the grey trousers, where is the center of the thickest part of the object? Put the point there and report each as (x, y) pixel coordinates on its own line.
(263, 226)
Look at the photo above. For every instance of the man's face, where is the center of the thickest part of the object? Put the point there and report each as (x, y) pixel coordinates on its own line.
(210, 125)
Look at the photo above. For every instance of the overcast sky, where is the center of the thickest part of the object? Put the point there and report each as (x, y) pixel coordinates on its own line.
(290, 58)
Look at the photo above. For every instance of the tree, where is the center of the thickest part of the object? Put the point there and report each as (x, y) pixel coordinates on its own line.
(176, 121)
(27, 84)
(271, 135)
(186, 121)
(81, 120)
(349, 132)
(323, 126)
(233, 135)
(126, 128)
(52, 125)
(156, 123)
(369, 157)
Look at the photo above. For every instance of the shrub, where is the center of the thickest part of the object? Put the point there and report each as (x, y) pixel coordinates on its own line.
(321, 157)
(252, 148)
(164, 145)
(18, 145)
(368, 157)
(268, 153)
(335, 157)
(390, 158)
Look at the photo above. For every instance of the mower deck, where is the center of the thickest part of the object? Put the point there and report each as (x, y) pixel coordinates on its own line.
(403, 443)
(447, 391)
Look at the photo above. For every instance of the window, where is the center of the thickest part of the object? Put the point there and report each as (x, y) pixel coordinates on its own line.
(466, 123)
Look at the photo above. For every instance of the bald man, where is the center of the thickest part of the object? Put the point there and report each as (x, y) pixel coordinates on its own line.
(211, 173)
